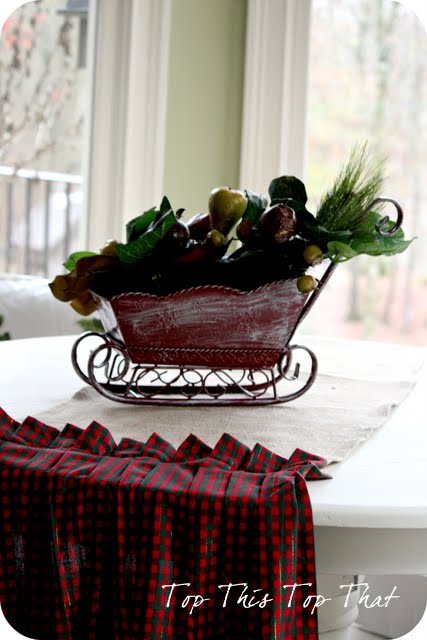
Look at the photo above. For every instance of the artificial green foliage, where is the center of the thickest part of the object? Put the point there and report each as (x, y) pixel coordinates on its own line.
(139, 225)
(6, 335)
(284, 187)
(339, 251)
(257, 203)
(368, 241)
(163, 254)
(346, 206)
(70, 263)
(91, 324)
(145, 244)
(374, 243)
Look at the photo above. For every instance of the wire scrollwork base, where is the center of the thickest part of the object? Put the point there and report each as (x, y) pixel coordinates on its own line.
(109, 369)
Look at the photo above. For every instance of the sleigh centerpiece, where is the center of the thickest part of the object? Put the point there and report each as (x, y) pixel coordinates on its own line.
(186, 321)
(200, 345)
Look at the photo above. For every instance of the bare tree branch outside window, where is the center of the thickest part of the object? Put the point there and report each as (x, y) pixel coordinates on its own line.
(40, 118)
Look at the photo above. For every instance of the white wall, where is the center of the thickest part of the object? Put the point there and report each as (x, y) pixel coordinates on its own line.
(205, 89)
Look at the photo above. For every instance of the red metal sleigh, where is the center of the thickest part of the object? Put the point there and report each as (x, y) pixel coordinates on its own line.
(208, 345)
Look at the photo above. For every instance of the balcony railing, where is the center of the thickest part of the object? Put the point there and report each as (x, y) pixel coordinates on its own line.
(40, 213)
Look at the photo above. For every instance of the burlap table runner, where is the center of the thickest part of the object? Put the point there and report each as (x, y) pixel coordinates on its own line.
(358, 386)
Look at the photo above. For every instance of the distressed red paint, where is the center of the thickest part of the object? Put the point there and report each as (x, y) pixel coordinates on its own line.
(210, 325)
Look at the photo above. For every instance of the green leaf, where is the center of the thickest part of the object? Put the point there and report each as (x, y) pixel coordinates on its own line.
(371, 243)
(165, 206)
(257, 203)
(380, 245)
(368, 226)
(296, 205)
(339, 251)
(310, 229)
(70, 263)
(91, 324)
(131, 252)
(138, 225)
(307, 225)
(285, 187)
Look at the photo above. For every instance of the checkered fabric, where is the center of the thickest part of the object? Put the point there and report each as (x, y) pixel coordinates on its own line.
(140, 541)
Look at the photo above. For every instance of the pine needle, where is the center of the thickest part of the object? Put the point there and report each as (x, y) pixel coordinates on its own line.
(345, 207)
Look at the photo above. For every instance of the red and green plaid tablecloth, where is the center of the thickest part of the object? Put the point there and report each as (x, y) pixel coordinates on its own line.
(94, 534)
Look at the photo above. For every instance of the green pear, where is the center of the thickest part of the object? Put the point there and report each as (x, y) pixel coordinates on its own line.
(226, 207)
(312, 255)
(306, 284)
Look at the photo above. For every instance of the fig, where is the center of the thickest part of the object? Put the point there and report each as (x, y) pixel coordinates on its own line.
(194, 266)
(278, 223)
(244, 230)
(194, 254)
(175, 239)
(226, 207)
(199, 226)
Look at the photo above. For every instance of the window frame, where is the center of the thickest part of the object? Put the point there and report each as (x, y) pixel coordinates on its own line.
(125, 130)
(123, 171)
(274, 129)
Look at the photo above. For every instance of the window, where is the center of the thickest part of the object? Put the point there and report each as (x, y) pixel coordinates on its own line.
(42, 114)
(385, 102)
(367, 78)
(312, 79)
(122, 132)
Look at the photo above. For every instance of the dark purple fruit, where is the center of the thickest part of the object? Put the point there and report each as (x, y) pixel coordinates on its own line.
(176, 238)
(195, 254)
(244, 230)
(278, 223)
(199, 226)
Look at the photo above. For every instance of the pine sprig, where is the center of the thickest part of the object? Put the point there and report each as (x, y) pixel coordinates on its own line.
(345, 207)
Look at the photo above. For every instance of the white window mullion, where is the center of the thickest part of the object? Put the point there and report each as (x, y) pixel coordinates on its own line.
(294, 99)
(108, 22)
(126, 131)
(147, 103)
(275, 91)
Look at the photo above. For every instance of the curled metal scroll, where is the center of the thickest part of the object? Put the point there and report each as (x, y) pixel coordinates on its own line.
(77, 358)
(383, 223)
(112, 373)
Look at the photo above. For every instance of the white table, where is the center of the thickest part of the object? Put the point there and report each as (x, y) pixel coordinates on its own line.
(370, 519)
